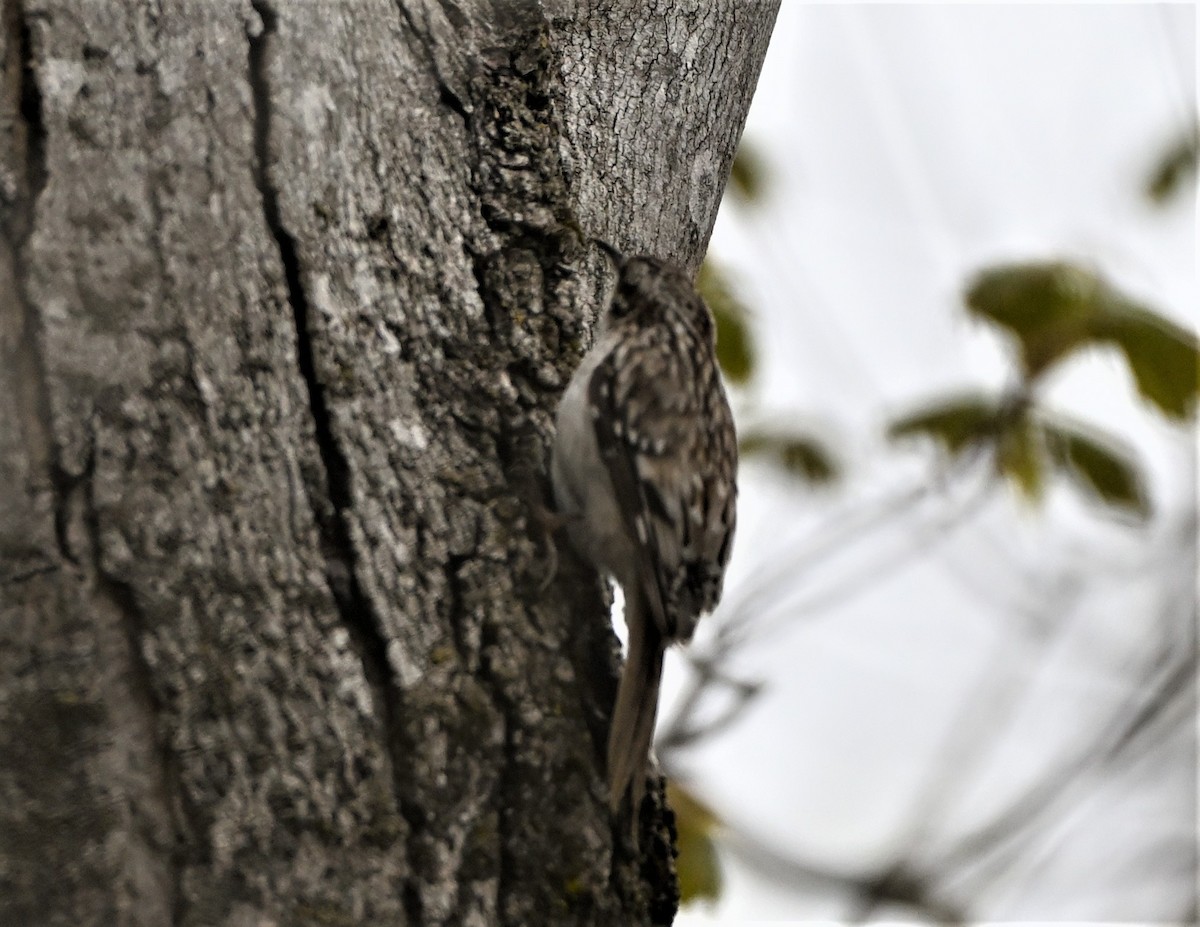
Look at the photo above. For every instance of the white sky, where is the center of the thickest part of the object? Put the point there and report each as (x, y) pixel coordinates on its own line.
(909, 146)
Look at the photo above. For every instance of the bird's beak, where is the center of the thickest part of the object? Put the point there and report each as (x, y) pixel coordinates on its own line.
(613, 254)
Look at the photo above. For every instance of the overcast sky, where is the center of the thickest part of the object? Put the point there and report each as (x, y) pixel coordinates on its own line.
(907, 147)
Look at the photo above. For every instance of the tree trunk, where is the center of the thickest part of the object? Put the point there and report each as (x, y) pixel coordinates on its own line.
(288, 292)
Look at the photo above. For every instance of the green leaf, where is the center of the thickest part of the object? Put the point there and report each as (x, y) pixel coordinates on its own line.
(735, 353)
(972, 420)
(1175, 167)
(1101, 464)
(1021, 458)
(698, 866)
(1163, 357)
(748, 174)
(955, 424)
(1048, 307)
(1055, 308)
(735, 345)
(800, 455)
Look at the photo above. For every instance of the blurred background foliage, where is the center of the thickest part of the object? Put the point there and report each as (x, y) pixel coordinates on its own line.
(1175, 167)
(794, 450)
(1047, 310)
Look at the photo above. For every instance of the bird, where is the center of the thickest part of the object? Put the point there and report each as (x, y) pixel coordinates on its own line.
(644, 474)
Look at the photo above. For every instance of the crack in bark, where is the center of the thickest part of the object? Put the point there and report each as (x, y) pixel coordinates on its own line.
(447, 95)
(65, 486)
(354, 607)
(29, 122)
(32, 373)
(22, 576)
(35, 127)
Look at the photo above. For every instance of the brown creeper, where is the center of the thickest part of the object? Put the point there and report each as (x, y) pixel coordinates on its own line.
(644, 471)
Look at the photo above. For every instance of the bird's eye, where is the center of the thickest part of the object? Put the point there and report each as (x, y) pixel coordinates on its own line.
(624, 299)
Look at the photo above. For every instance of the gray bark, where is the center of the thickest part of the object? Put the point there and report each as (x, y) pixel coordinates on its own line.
(288, 292)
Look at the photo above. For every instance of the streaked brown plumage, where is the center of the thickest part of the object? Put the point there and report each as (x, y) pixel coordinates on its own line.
(645, 469)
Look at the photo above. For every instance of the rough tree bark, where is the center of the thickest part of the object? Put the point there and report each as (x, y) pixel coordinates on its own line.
(287, 295)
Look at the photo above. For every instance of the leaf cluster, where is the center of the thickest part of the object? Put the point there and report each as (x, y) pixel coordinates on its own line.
(1030, 445)
(1051, 311)
(1176, 166)
(1055, 309)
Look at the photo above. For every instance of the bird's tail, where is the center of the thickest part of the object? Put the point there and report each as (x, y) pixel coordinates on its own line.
(636, 707)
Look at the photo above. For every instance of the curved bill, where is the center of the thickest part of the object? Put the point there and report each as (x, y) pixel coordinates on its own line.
(613, 254)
